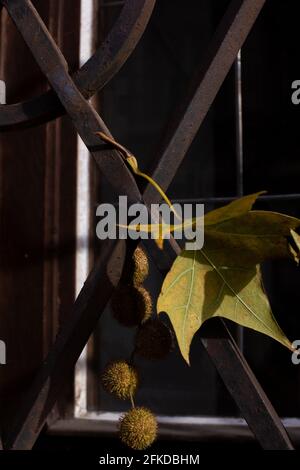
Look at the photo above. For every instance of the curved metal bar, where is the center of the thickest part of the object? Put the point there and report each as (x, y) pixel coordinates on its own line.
(93, 75)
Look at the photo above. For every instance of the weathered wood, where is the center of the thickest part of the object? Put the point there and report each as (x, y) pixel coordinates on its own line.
(38, 213)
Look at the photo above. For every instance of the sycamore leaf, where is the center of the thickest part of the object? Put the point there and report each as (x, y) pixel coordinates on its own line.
(162, 227)
(160, 231)
(258, 235)
(205, 284)
(236, 208)
(224, 279)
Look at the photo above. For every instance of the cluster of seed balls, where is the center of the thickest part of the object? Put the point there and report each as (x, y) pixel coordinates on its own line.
(132, 306)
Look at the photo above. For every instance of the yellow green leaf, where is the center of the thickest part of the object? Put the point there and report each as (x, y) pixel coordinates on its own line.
(258, 235)
(200, 285)
(236, 208)
(161, 230)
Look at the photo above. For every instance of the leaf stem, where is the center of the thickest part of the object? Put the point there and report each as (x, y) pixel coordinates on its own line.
(132, 401)
(132, 161)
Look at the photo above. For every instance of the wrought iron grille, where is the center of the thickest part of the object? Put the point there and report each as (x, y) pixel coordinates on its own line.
(69, 94)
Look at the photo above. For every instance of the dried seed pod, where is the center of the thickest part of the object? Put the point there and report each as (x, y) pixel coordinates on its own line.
(138, 428)
(120, 379)
(154, 340)
(131, 305)
(144, 303)
(140, 266)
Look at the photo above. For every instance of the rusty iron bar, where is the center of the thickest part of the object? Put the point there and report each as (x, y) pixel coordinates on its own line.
(49, 379)
(191, 111)
(243, 386)
(93, 75)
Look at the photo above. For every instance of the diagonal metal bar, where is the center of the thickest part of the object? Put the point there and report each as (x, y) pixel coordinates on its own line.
(44, 391)
(243, 386)
(227, 41)
(93, 75)
(70, 341)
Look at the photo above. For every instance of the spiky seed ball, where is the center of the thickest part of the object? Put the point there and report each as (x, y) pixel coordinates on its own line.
(154, 340)
(140, 266)
(136, 268)
(131, 305)
(120, 379)
(138, 428)
(144, 304)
